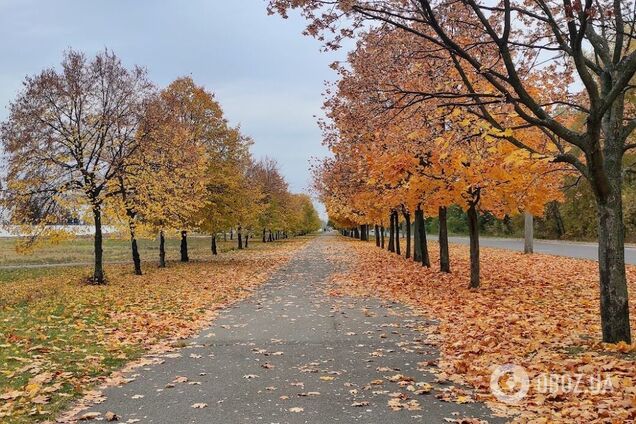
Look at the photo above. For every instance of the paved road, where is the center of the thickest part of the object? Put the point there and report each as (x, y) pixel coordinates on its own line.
(550, 247)
(293, 354)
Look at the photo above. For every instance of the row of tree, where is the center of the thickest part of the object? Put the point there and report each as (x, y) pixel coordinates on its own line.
(482, 105)
(98, 140)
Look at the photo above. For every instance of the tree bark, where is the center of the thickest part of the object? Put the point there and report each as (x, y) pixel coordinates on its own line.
(135, 256)
(239, 237)
(213, 245)
(231, 233)
(184, 246)
(98, 271)
(134, 248)
(382, 236)
(553, 210)
(247, 237)
(376, 232)
(264, 236)
(528, 233)
(444, 256)
(407, 227)
(417, 246)
(162, 249)
(362, 234)
(391, 247)
(397, 233)
(473, 231)
(423, 245)
(613, 282)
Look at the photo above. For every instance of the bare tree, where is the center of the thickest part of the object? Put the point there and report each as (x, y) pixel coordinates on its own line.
(68, 138)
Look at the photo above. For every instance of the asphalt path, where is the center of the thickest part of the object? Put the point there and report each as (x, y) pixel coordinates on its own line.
(293, 354)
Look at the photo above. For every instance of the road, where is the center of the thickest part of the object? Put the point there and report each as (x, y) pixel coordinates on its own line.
(549, 247)
(293, 354)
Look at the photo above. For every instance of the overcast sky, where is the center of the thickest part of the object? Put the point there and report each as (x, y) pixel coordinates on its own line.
(267, 76)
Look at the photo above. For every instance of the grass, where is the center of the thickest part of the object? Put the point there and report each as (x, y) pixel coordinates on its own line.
(16, 266)
(59, 337)
(80, 250)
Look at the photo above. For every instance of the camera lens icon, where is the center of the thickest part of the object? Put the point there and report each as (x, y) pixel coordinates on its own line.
(509, 383)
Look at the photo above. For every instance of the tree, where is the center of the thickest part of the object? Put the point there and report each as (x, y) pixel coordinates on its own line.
(530, 69)
(201, 129)
(68, 138)
(164, 179)
(431, 157)
(275, 196)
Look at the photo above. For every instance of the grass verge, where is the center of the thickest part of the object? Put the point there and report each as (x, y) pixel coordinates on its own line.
(60, 337)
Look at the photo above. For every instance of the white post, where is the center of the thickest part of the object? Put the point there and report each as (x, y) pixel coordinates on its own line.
(528, 232)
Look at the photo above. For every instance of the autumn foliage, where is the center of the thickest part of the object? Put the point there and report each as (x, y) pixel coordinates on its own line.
(95, 141)
(480, 104)
(522, 315)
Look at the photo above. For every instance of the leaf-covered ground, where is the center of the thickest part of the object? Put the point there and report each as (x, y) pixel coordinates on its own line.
(60, 337)
(537, 311)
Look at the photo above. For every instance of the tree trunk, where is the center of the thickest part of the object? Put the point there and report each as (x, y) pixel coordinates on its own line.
(407, 227)
(162, 249)
(362, 235)
(528, 233)
(133, 241)
(423, 245)
(473, 231)
(611, 253)
(134, 248)
(224, 235)
(264, 236)
(98, 272)
(239, 237)
(444, 256)
(382, 236)
(135, 255)
(376, 232)
(184, 246)
(247, 237)
(397, 233)
(213, 245)
(558, 219)
(417, 246)
(391, 233)
(231, 233)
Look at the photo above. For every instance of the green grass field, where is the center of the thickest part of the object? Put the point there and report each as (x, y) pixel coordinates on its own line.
(17, 266)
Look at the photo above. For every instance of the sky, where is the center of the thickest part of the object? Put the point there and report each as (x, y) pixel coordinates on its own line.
(268, 77)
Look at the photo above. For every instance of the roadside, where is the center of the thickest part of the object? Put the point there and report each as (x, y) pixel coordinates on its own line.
(59, 336)
(534, 315)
